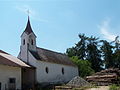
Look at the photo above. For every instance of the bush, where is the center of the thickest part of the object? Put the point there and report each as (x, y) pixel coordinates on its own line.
(84, 66)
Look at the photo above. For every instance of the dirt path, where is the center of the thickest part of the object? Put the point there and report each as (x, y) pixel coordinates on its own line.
(100, 88)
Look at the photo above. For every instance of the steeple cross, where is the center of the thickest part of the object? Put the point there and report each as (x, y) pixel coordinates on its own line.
(28, 12)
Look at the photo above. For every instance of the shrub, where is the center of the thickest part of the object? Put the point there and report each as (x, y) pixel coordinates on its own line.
(84, 66)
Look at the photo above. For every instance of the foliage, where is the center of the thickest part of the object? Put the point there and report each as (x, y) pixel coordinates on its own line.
(71, 52)
(84, 66)
(94, 54)
(107, 53)
(114, 87)
(80, 48)
(97, 52)
(87, 48)
(116, 57)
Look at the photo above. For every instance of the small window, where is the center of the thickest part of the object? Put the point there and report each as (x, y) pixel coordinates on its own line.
(63, 71)
(24, 42)
(31, 42)
(11, 80)
(46, 69)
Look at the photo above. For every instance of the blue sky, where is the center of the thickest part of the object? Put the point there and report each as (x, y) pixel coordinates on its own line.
(57, 23)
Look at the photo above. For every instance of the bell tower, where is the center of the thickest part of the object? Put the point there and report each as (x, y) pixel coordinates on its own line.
(28, 42)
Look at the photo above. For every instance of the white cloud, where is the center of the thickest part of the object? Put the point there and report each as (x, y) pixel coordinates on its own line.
(32, 13)
(104, 30)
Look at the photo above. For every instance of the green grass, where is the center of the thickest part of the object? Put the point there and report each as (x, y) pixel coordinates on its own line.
(114, 87)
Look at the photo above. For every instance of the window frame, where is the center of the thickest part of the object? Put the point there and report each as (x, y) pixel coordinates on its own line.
(23, 41)
(63, 71)
(12, 80)
(32, 42)
(47, 70)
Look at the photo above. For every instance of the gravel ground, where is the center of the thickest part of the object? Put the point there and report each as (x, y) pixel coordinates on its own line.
(100, 88)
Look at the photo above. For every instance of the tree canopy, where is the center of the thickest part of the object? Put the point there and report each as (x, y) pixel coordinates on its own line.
(100, 54)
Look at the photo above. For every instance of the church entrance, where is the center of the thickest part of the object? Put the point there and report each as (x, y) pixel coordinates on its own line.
(28, 78)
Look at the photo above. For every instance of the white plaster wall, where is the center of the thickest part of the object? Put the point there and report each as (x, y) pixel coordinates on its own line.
(7, 72)
(32, 37)
(24, 48)
(55, 71)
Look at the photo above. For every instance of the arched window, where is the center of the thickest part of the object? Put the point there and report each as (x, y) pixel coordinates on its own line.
(63, 71)
(32, 42)
(23, 41)
(47, 70)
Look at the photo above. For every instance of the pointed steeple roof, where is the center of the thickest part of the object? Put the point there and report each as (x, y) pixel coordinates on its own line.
(28, 28)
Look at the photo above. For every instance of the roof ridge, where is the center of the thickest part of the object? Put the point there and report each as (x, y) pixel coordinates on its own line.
(52, 51)
(54, 57)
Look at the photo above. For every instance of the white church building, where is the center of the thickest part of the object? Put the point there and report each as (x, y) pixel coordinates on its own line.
(34, 65)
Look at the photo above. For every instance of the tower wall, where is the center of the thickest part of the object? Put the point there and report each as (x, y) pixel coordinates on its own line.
(28, 43)
(24, 48)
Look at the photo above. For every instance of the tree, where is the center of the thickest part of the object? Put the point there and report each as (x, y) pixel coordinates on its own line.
(80, 48)
(87, 49)
(107, 53)
(84, 66)
(94, 54)
(71, 52)
(116, 55)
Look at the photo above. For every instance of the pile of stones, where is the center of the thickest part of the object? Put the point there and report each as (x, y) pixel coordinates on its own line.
(78, 82)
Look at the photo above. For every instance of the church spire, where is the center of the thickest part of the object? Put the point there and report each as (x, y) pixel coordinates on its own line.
(28, 42)
(28, 28)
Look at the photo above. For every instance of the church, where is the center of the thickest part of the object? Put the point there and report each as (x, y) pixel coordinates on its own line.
(34, 65)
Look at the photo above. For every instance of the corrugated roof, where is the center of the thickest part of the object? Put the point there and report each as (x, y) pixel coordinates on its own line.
(7, 59)
(51, 56)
